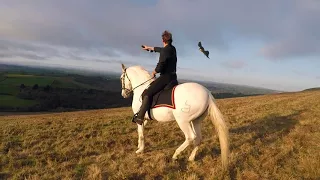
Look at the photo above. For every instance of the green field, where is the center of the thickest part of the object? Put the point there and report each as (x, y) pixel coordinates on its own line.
(19, 75)
(70, 82)
(27, 80)
(15, 80)
(12, 101)
(10, 83)
(65, 83)
(8, 89)
(2, 78)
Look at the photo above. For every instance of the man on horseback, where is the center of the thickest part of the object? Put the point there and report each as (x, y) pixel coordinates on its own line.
(166, 67)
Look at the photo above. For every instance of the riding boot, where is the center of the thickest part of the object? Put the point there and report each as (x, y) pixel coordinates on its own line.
(144, 108)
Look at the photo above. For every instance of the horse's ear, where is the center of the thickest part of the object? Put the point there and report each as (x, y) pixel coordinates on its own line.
(123, 67)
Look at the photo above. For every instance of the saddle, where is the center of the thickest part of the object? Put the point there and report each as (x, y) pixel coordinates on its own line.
(164, 98)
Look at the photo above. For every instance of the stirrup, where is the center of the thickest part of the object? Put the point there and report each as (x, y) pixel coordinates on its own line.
(134, 117)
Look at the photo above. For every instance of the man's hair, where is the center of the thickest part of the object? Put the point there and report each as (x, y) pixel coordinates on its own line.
(167, 37)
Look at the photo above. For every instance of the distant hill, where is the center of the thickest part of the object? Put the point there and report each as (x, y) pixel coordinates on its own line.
(37, 70)
(24, 88)
(215, 87)
(313, 89)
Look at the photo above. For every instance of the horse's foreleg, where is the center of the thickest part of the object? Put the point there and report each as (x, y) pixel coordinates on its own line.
(185, 126)
(140, 139)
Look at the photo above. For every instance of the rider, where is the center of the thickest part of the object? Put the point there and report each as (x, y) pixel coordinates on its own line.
(166, 67)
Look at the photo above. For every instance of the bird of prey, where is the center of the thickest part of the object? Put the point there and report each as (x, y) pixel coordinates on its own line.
(202, 50)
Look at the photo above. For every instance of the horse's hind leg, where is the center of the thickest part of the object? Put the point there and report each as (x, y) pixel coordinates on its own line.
(196, 125)
(185, 126)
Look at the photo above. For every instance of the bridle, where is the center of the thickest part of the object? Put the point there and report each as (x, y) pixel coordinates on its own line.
(123, 77)
(126, 90)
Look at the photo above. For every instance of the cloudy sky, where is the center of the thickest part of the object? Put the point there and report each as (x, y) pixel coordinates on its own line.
(273, 44)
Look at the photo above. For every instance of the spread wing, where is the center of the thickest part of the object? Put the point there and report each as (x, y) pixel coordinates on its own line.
(200, 45)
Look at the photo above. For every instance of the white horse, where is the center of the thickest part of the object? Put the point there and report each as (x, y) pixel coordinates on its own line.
(193, 103)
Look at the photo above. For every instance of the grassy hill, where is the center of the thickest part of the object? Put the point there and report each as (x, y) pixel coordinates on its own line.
(272, 137)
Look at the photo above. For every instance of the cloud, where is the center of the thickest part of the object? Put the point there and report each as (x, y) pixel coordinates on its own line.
(300, 73)
(297, 34)
(23, 55)
(293, 47)
(40, 51)
(30, 56)
(5, 55)
(26, 50)
(234, 64)
(289, 27)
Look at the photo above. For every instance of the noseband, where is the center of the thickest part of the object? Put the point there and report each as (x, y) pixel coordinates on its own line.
(126, 90)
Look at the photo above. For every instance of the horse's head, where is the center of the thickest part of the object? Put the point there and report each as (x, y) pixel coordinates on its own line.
(134, 76)
(125, 83)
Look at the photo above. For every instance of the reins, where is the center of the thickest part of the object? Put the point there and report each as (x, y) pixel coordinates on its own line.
(142, 83)
(128, 90)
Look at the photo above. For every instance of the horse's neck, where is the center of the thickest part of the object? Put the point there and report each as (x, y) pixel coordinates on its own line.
(140, 83)
(142, 86)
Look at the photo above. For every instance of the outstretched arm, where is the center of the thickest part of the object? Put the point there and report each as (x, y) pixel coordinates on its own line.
(150, 48)
(157, 49)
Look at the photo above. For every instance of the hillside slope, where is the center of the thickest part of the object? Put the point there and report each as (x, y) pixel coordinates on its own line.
(272, 137)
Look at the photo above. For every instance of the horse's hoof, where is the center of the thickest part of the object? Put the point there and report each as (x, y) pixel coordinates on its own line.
(191, 158)
(139, 151)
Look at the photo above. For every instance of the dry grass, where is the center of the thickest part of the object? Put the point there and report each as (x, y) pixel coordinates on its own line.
(272, 137)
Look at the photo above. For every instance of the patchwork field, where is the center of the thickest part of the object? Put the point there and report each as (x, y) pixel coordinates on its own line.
(13, 101)
(22, 92)
(11, 82)
(271, 136)
(27, 80)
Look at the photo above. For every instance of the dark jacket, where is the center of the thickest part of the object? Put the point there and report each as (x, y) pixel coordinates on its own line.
(168, 59)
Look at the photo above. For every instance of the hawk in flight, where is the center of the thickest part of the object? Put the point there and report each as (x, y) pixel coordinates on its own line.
(202, 50)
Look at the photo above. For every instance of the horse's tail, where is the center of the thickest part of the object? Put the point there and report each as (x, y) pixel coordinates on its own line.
(218, 121)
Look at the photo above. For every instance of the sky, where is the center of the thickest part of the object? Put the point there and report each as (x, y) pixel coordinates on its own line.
(272, 44)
